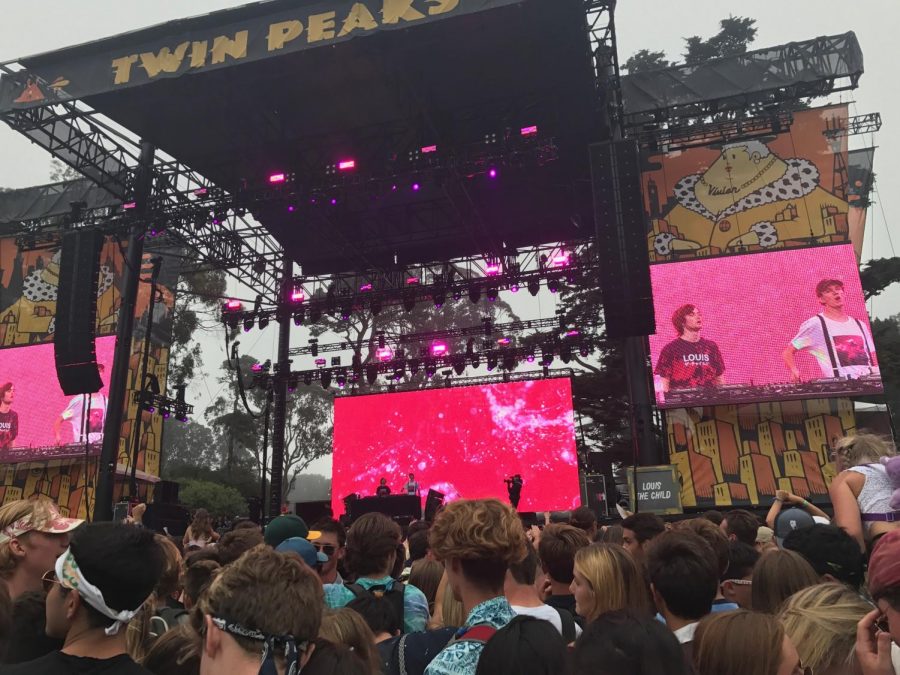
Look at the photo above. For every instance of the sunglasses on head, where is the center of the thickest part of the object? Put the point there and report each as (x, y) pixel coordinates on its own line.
(327, 549)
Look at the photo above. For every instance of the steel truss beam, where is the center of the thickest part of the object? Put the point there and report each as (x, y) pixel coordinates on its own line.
(451, 382)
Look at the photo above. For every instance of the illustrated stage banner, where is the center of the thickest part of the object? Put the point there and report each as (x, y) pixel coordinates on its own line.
(740, 455)
(782, 191)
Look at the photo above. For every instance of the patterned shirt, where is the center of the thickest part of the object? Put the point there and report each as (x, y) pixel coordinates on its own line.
(461, 658)
(415, 604)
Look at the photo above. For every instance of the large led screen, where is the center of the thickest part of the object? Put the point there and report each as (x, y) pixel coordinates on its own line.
(33, 408)
(770, 326)
(462, 442)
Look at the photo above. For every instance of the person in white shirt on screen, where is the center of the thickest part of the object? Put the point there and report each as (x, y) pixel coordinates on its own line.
(841, 344)
(74, 415)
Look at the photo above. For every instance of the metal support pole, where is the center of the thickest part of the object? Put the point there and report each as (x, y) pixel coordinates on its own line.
(118, 380)
(267, 411)
(280, 386)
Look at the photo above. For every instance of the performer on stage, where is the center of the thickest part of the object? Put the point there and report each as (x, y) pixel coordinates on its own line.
(689, 360)
(841, 344)
(88, 430)
(9, 419)
(412, 486)
(383, 490)
(514, 488)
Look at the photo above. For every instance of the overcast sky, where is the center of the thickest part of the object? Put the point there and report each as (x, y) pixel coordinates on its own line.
(28, 27)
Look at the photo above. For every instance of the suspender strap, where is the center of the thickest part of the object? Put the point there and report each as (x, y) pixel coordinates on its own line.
(862, 331)
(834, 364)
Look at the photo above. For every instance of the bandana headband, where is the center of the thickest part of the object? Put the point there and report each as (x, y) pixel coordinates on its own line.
(69, 574)
(291, 648)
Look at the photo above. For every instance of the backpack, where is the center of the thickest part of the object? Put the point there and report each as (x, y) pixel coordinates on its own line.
(568, 624)
(166, 618)
(394, 597)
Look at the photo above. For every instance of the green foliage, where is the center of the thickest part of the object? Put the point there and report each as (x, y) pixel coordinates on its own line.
(878, 275)
(735, 34)
(60, 172)
(199, 295)
(219, 500)
(886, 333)
(644, 60)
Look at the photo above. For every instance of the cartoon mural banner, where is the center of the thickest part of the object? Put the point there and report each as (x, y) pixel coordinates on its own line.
(740, 455)
(782, 191)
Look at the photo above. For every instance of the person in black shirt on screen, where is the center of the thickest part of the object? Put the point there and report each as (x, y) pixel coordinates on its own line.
(383, 489)
(9, 419)
(690, 361)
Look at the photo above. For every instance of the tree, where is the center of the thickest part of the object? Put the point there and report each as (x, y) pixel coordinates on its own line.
(312, 487)
(886, 333)
(188, 444)
(219, 500)
(735, 34)
(198, 294)
(644, 60)
(60, 172)
(878, 274)
(307, 434)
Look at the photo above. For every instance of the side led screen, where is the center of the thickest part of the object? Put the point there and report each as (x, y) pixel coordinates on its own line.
(462, 442)
(33, 408)
(769, 326)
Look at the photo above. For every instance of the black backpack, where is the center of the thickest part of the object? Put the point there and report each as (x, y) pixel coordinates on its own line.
(568, 624)
(393, 595)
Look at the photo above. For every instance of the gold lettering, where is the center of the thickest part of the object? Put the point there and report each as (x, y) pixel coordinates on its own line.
(394, 10)
(198, 53)
(166, 61)
(122, 67)
(321, 27)
(442, 6)
(282, 33)
(359, 18)
(225, 46)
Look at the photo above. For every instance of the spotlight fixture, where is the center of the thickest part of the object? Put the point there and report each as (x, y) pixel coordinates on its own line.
(491, 360)
(565, 352)
(430, 368)
(384, 353)
(375, 306)
(325, 379)
(409, 300)
(248, 324)
(438, 348)
(414, 366)
(491, 293)
(553, 284)
(459, 364)
(263, 322)
(584, 349)
(534, 286)
(346, 308)
(439, 296)
(314, 347)
(341, 379)
(546, 355)
(474, 294)
(298, 316)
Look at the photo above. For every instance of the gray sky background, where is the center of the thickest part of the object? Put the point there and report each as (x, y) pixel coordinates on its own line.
(31, 27)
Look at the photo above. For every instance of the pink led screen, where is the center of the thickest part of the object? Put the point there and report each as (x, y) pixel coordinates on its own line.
(788, 324)
(30, 411)
(462, 442)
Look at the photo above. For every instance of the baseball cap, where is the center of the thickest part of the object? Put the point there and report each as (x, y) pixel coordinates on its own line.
(286, 527)
(790, 520)
(304, 549)
(44, 517)
(884, 565)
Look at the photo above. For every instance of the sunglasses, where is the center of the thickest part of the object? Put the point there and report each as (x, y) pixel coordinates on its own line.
(48, 580)
(327, 549)
(882, 625)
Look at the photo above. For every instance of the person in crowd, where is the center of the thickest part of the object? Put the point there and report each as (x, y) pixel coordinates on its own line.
(382, 621)
(821, 622)
(744, 643)
(417, 543)
(861, 492)
(200, 532)
(684, 579)
(165, 600)
(638, 530)
(383, 489)
(524, 646)
(235, 543)
(426, 576)
(713, 516)
(523, 597)
(584, 519)
(477, 540)
(304, 550)
(776, 577)
(610, 534)
(286, 526)
(833, 554)
(33, 534)
(791, 520)
(448, 609)
(740, 525)
(27, 638)
(737, 581)
(347, 627)
(371, 553)
(606, 578)
(332, 541)
(333, 659)
(879, 630)
(713, 536)
(765, 539)
(784, 498)
(197, 578)
(557, 548)
(94, 589)
(622, 642)
(265, 608)
(175, 653)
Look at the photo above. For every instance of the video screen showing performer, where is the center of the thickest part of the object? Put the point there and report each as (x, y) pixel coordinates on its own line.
(841, 344)
(87, 427)
(689, 361)
(383, 489)
(412, 485)
(9, 418)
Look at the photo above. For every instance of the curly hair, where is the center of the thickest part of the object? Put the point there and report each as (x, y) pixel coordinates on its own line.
(485, 535)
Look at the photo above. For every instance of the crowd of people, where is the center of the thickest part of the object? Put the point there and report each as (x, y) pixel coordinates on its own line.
(475, 592)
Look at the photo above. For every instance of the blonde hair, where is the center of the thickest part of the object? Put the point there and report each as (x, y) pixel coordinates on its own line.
(821, 622)
(614, 577)
(38, 507)
(738, 643)
(777, 576)
(452, 612)
(347, 627)
(862, 449)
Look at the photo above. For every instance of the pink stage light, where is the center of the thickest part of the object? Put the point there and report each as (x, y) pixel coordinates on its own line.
(234, 306)
(320, 363)
(347, 164)
(429, 148)
(529, 131)
(277, 178)
(416, 187)
(365, 287)
(493, 269)
(438, 348)
(503, 341)
(412, 280)
(561, 259)
(199, 192)
(492, 173)
(129, 205)
(297, 295)
(573, 333)
(384, 353)
(292, 208)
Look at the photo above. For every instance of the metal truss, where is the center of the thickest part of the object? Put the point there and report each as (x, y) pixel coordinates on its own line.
(663, 138)
(448, 381)
(78, 136)
(856, 125)
(601, 27)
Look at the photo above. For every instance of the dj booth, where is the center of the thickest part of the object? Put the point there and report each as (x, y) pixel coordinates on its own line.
(395, 506)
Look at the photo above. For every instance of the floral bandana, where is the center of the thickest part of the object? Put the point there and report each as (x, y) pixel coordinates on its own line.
(70, 576)
(44, 519)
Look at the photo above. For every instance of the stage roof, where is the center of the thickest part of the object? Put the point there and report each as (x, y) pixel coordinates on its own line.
(295, 86)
